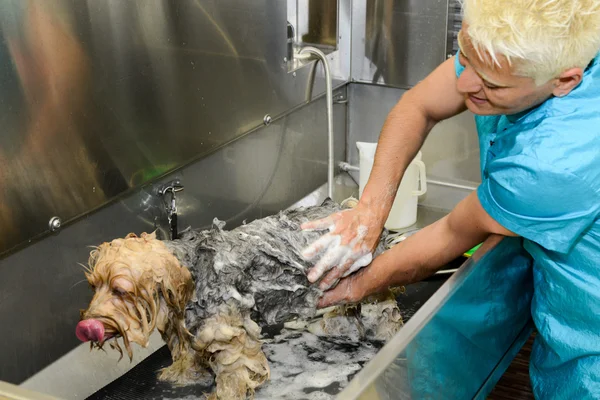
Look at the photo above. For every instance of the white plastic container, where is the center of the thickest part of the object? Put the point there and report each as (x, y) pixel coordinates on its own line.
(413, 185)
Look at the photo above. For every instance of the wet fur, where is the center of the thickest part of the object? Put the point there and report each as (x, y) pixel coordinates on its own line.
(209, 292)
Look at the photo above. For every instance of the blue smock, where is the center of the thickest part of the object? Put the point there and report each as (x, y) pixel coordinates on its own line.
(541, 180)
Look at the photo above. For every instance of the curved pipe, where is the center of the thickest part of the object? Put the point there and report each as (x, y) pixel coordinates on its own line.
(306, 52)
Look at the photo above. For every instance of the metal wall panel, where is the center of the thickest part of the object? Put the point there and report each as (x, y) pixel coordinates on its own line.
(41, 287)
(455, 19)
(100, 96)
(397, 42)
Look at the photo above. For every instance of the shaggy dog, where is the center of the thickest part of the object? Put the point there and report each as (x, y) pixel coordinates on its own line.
(210, 292)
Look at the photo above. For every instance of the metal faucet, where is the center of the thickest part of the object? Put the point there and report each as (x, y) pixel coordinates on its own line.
(171, 207)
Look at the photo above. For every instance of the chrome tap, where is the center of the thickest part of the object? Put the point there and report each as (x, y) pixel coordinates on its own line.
(171, 206)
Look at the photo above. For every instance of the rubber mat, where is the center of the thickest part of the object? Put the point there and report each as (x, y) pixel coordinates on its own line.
(141, 383)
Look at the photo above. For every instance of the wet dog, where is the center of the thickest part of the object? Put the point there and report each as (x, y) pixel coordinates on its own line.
(210, 292)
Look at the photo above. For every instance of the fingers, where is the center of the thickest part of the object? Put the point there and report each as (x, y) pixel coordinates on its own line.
(328, 261)
(333, 276)
(347, 265)
(358, 264)
(344, 227)
(324, 223)
(342, 259)
(330, 298)
(318, 246)
(330, 279)
(343, 293)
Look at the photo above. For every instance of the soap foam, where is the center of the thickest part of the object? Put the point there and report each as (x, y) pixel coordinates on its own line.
(304, 366)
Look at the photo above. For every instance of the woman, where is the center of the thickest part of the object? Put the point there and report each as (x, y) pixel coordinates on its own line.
(530, 71)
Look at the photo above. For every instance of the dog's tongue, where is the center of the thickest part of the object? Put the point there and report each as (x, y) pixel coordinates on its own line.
(90, 330)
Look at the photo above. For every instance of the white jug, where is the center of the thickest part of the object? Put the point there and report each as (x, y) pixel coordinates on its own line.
(413, 185)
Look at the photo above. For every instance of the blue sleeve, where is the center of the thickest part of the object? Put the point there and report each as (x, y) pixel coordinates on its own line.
(457, 66)
(539, 202)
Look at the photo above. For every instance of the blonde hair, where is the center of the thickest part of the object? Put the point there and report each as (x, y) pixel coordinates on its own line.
(540, 38)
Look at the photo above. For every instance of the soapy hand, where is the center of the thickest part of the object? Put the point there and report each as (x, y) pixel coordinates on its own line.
(349, 290)
(349, 245)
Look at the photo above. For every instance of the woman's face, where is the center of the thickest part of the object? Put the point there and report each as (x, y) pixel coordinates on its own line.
(490, 89)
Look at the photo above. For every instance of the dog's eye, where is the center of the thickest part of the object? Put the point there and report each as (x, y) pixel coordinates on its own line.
(119, 292)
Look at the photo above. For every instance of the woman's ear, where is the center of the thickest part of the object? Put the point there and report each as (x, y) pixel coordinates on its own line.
(567, 81)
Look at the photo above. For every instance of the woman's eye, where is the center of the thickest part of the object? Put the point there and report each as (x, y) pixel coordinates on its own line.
(489, 86)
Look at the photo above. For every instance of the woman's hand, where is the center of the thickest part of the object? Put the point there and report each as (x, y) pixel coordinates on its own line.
(349, 245)
(349, 290)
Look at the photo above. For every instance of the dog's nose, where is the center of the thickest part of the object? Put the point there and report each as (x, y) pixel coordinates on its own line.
(90, 330)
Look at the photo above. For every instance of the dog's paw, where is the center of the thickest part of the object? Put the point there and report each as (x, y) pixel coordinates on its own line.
(183, 372)
(340, 321)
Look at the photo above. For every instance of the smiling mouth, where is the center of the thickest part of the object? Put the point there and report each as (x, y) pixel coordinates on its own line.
(477, 100)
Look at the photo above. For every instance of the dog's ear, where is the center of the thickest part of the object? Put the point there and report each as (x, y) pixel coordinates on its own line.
(177, 286)
(149, 236)
(131, 235)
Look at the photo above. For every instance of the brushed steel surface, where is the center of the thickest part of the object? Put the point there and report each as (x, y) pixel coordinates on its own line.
(99, 97)
(12, 392)
(42, 287)
(454, 24)
(397, 43)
